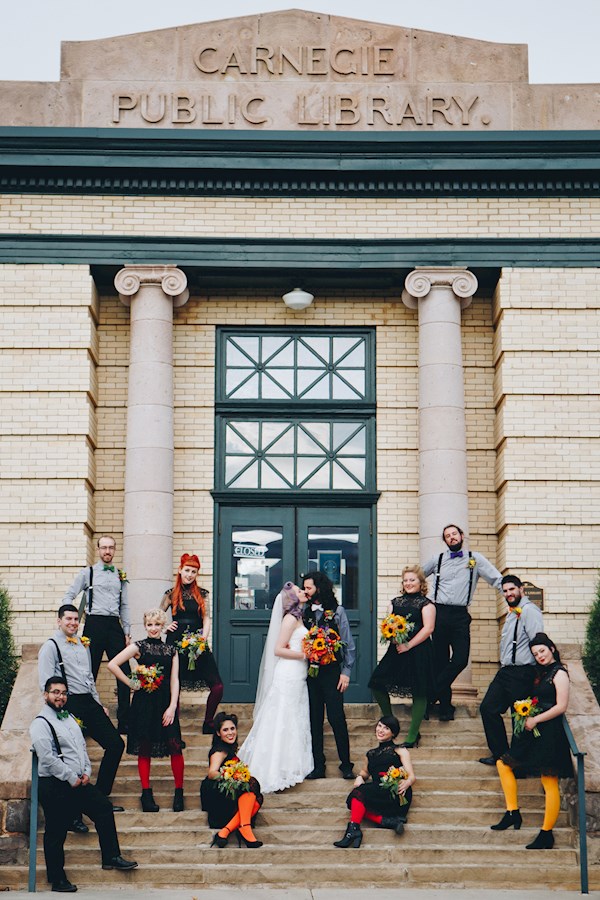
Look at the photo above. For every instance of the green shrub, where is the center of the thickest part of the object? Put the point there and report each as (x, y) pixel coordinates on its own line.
(591, 647)
(8, 657)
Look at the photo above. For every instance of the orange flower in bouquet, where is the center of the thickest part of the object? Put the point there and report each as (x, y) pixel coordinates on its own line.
(320, 647)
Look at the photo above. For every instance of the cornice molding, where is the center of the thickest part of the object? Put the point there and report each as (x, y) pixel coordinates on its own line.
(169, 163)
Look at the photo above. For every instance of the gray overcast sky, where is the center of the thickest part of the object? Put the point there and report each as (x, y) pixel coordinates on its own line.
(562, 34)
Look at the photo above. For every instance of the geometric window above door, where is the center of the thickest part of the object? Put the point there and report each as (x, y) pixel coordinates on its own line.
(314, 367)
(295, 455)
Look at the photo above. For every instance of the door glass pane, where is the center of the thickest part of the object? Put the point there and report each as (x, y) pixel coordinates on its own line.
(256, 566)
(334, 550)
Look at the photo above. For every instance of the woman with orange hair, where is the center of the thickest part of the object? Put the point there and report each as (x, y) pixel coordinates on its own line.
(187, 604)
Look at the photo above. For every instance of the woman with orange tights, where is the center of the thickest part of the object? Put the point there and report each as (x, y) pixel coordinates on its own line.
(230, 816)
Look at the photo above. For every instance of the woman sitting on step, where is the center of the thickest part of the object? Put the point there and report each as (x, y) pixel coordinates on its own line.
(153, 723)
(375, 801)
(228, 814)
(548, 754)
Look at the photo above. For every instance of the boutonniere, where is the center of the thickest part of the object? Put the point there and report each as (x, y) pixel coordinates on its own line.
(72, 640)
(471, 562)
(79, 722)
(62, 714)
(85, 640)
(329, 614)
(123, 576)
(517, 611)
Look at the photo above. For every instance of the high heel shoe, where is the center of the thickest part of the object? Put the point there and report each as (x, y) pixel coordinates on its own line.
(178, 801)
(148, 802)
(544, 841)
(512, 818)
(219, 841)
(408, 745)
(352, 836)
(253, 844)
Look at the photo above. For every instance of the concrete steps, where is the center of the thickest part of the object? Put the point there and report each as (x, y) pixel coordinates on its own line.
(447, 842)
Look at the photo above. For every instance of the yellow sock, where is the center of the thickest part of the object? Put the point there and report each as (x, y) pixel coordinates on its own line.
(509, 785)
(552, 808)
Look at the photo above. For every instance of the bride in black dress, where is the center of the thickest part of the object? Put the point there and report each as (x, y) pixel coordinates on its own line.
(230, 815)
(548, 755)
(153, 729)
(187, 604)
(407, 669)
(372, 801)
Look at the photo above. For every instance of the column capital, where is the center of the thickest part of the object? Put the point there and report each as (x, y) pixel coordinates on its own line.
(172, 281)
(422, 279)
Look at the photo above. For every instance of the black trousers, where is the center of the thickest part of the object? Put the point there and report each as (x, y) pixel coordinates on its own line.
(322, 695)
(451, 647)
(106, 635)
(509, 684)
(61, 804)
(99, 727)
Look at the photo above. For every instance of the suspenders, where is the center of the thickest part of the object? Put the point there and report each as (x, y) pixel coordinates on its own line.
(54, 735)
(61, 666)
(90, 593)
(437, 577)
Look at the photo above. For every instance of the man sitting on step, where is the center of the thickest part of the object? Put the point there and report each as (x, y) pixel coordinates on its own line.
(65, 790)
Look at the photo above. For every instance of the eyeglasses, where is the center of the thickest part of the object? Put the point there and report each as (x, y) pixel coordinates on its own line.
(59, 693)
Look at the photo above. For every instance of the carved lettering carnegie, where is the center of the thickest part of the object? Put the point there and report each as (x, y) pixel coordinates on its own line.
(367, 60)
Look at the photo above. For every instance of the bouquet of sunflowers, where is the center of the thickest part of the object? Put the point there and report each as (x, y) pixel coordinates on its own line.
(396, 629)
(391, 782)
(194, 645)
(234, 778)
(522, 710)
(147, 678)
(320, 646)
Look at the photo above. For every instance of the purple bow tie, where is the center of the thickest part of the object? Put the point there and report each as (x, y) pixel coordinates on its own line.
(454, 554)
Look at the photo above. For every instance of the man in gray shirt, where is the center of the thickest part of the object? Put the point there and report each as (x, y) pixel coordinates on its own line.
(67, 656)
(65, 790)
(456, 573)
(107, 622)
(514, 679)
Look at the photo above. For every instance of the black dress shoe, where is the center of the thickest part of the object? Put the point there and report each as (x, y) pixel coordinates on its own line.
(79, 827)
(487, 760)
(347, 772)
(64, 887)
(117, 862)
(116, 808)
(316, 773)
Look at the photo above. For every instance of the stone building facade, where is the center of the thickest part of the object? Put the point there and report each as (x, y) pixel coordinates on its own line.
(158, 201)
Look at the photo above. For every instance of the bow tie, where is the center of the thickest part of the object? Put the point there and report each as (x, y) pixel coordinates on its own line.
(62, 713)
(72, 640)
(108, 568)
(456, 554)
(316, 606)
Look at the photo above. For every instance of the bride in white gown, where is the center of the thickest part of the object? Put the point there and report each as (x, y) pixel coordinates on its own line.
(278, 750)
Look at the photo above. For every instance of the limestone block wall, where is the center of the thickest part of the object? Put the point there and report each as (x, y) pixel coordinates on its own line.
(48, 395)
(547, 393)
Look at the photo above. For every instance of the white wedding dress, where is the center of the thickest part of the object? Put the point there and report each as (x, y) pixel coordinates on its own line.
(278, 750)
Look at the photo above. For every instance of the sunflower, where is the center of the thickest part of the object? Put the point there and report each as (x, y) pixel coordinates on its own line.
(523, 707)
(387, 631)
(401, 624)
(319, 644)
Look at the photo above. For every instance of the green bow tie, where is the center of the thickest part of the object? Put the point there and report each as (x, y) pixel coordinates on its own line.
(62, 713)
(108, 568)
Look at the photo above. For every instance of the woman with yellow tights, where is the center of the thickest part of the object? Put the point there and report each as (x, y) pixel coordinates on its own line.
(547, 755)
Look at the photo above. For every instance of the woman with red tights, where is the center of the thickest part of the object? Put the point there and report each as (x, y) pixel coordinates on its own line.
(186, 602)
(229, 815)
(154, 730)
(371, 801)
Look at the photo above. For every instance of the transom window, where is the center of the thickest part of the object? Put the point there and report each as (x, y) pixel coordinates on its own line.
(295, 412)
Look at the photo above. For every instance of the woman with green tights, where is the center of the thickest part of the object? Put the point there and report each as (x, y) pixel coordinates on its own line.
(406, 670)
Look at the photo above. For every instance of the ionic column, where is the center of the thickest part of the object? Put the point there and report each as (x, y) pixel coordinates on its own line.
(439, 295)
(151, 292)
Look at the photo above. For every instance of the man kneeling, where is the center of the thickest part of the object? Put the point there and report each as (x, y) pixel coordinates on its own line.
(65, 791)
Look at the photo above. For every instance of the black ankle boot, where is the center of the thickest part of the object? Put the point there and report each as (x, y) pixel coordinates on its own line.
(352, 836)
(510, 819)
(178, 804)
(148, 803)
(544, 841)
(394, 823)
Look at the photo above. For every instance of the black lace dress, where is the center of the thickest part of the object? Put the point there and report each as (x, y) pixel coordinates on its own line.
(375, 798)
(220, 807)
(206, 673)
(407, 674)
(147, 736)
(548, 754)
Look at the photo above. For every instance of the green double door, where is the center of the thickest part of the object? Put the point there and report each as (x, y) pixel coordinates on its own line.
(258, 550)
